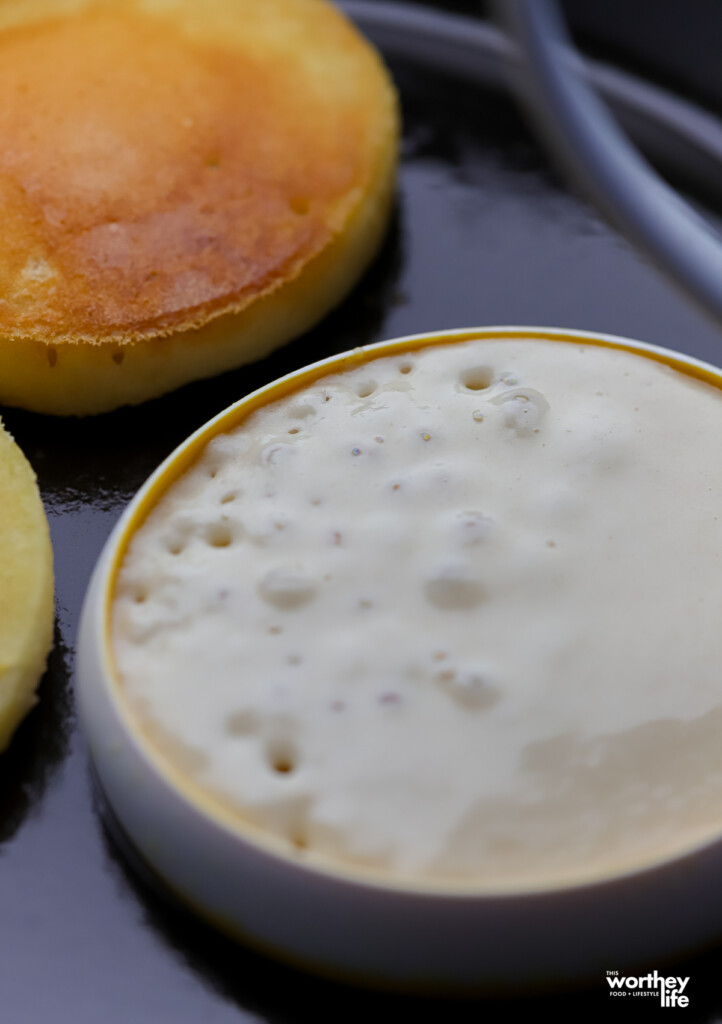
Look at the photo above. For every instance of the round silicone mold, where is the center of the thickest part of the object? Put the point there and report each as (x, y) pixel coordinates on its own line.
(344, 921)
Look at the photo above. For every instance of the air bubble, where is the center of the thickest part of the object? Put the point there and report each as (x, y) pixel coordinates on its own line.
(269, 455)
(219, 535)
(282, 755)
(522, 409)
(406, 368)
(241, 723)
(366, 389)
(454, 590)
(477, 378)
(286, 588)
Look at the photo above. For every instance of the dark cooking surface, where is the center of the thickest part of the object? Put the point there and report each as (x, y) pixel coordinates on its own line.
(485, 234)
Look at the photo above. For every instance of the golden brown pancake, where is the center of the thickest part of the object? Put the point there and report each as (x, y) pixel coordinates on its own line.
(183, 187)
(26, 587)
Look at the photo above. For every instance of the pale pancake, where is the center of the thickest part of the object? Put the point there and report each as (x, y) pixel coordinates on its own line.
(26, 587)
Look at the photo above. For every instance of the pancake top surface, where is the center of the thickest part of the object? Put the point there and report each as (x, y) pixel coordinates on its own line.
(430, 615)
(163, 162)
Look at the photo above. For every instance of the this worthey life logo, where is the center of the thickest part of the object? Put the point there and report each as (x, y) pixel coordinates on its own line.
(669, 989)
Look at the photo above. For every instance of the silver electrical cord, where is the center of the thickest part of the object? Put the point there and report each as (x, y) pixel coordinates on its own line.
(557, 87)
(588, 142)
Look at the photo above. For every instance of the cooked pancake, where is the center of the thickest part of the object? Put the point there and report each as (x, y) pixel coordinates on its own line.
(183, 187)
(26, 587)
